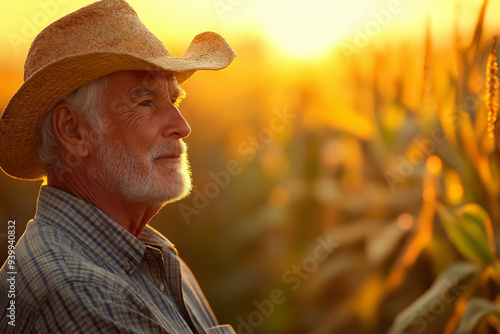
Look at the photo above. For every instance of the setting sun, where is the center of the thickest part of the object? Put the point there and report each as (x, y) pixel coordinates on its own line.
(309, 29)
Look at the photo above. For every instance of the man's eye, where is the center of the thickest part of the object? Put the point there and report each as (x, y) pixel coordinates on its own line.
(146, 103)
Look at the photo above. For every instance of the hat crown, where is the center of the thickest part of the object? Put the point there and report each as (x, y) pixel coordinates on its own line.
(107, 25)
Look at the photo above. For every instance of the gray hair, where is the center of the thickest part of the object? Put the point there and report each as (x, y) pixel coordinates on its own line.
(86, 101)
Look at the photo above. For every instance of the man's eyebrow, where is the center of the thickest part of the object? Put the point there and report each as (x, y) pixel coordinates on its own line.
(139, 92)
(142, 91)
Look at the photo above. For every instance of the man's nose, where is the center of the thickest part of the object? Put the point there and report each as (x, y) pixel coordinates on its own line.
(175, 124)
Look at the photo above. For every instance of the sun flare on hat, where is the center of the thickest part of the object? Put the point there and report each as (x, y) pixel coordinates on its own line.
(94, 41)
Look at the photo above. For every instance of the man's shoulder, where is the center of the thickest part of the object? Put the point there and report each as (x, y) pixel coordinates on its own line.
(48, 259)
(44, 247)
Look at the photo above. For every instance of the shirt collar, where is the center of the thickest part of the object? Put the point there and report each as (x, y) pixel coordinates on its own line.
(91, 227)
(152, 237)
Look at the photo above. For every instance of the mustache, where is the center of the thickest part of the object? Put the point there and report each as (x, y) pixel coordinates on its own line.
(173, 148)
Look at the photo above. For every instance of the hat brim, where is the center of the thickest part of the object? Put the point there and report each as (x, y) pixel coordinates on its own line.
(21, 120)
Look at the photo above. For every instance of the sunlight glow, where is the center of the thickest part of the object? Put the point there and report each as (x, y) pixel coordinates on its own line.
(308, 29)
(454, 188)
(434, 164)
(297, 28)
(405, 221)
(305, 29)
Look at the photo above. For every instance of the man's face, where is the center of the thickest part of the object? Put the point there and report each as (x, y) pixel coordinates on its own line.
(140, 152)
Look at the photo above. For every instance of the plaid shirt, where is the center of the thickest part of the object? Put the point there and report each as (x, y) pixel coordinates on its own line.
(78, 271)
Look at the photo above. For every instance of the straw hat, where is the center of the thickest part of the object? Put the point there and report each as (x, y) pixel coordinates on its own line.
(96, 40)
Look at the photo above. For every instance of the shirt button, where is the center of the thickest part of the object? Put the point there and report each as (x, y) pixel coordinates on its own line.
(126, 266)
(161, 286)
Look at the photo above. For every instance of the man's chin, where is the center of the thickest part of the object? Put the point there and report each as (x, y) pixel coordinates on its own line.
(172, 192)
(177, 198)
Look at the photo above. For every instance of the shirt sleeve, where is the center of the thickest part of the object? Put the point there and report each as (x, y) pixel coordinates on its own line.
(83, 307)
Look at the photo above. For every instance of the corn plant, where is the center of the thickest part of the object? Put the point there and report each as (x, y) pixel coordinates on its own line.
(464, 298)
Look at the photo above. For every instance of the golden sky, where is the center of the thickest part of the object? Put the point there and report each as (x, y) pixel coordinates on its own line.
(298, 28)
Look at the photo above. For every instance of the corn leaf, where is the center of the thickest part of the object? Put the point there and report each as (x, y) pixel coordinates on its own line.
(469, 229)
(431, 310)
(477, 309)
(476, 39)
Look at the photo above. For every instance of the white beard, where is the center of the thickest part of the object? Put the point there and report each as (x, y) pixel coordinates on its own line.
(121, 171)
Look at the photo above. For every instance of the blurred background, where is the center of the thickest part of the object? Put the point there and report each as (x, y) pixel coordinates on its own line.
(345, 165)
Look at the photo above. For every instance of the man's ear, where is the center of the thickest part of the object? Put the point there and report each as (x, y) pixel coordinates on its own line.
(71, 130)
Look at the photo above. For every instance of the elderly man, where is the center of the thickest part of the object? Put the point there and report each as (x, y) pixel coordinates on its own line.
(97, 118)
